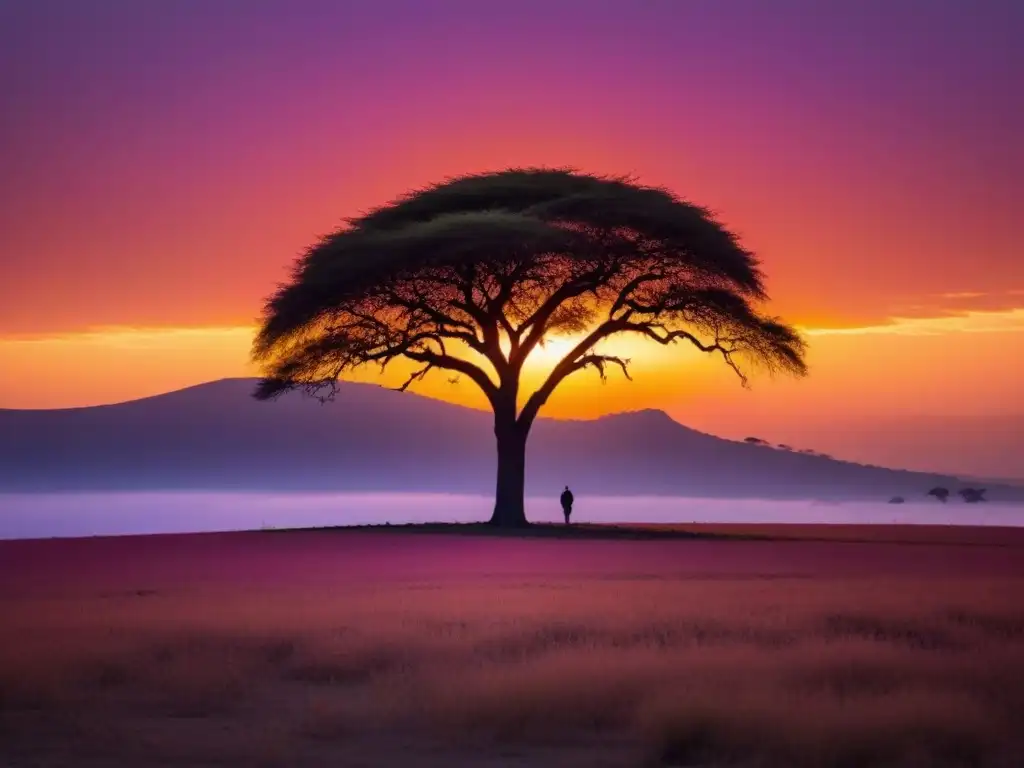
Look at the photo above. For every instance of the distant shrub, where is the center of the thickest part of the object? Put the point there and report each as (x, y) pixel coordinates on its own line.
(973, 495)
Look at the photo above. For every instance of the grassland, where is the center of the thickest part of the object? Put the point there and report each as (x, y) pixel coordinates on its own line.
(790, 646)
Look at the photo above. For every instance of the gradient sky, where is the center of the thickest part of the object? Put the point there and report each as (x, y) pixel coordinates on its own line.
(163, 163)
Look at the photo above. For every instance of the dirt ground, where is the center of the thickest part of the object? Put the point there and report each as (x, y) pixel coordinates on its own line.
(703, 645)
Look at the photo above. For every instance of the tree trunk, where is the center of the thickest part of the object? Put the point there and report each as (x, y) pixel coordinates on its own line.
(509, 511)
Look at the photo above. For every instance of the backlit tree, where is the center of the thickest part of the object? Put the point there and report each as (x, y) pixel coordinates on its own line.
(472, 274)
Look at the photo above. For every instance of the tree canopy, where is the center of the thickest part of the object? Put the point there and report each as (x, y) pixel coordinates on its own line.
(471, 274)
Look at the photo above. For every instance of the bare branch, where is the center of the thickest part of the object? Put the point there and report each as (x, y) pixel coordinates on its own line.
(627, 290)
(458, 329)
(562, 369)
(448, 362)
(416, 376)
(599, 362)
(724, 346)
(537, 324)
(489, 342)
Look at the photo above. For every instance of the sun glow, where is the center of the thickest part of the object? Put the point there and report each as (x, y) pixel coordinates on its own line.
(552, 349)
(638, 353)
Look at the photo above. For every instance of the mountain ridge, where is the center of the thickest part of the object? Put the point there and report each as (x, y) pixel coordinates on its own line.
(214, 436)
(251, 382)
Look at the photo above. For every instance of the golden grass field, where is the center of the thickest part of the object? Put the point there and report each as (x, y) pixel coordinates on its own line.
(804, 646)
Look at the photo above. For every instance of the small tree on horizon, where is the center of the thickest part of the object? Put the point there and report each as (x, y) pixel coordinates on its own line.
(972, 495)
(472, 274)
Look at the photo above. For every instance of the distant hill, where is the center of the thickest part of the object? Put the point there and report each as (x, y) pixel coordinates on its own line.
(215, 436)
(981, 448)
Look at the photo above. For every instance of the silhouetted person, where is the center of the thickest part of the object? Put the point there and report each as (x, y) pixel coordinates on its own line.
(566, 499)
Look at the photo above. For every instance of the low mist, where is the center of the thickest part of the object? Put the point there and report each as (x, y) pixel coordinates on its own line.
(99, 514)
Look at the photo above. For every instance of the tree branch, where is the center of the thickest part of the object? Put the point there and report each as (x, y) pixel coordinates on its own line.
(435, 314)
(565, 366)
(490, 346)
(599, 362)
(535, 326)
(628, 288)
(670, 337)
(416, 376)
(478, 375)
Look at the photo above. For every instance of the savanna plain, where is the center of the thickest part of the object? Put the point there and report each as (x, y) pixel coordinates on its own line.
(816, 646)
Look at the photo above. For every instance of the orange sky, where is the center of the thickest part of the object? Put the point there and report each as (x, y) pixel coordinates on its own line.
(165, 169)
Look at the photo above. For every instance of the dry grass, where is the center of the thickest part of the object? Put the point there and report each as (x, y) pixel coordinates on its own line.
(759, 672)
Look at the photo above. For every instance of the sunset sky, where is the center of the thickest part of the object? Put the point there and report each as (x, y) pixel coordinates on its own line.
(163, 163)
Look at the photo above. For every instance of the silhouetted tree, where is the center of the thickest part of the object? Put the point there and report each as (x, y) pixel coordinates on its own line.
(754, 441)
(973, 495)
(472, 274)
(942, 494)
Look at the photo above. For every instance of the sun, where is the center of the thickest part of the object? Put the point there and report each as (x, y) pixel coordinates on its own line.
(552, 349)
(556, 347)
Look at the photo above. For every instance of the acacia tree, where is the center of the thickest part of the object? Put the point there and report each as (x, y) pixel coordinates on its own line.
(472, 274)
